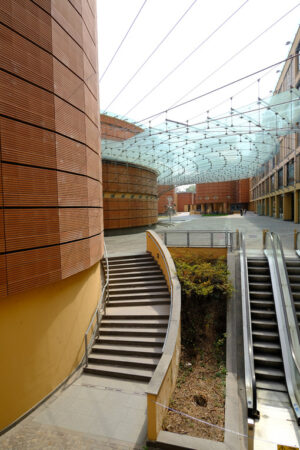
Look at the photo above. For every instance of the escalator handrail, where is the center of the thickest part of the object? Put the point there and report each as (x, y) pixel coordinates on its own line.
(295, 345)
(250, 379)
(284, 334)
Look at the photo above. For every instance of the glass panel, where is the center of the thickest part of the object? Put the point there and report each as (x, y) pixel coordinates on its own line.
(280, 178)
(290, 173)
(230, 146)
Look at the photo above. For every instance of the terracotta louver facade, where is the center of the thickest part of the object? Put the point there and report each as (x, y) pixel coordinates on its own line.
(51, 191)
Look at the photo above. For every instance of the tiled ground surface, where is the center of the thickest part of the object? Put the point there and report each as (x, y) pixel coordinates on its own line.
(90, 413)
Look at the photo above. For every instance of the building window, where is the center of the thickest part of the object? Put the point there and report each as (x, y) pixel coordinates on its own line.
(290, 173)
(298, 57)
(272, 183)
(280, 178)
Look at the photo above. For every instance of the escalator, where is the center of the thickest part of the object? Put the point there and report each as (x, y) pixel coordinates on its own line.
(268, 363)
(293, 270)
(270, 332)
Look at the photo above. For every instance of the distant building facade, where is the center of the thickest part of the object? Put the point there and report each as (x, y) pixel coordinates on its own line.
(276, 191)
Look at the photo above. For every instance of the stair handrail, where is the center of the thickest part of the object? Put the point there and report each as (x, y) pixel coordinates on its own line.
(250, 379)
(100, 309)
(284, 301)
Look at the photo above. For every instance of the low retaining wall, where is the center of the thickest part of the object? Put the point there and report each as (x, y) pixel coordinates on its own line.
(163, 381)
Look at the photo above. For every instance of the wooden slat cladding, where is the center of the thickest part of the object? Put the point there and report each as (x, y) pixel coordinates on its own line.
(23, 101)
(68, 18)
(51, 217)
(29, 20)
(122, 210)
(88, 14)
(24, 58)
(19, 144)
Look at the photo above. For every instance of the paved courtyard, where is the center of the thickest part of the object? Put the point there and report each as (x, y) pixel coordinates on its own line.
(131, 241)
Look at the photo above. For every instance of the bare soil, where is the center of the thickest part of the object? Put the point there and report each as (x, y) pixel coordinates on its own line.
(200, 389)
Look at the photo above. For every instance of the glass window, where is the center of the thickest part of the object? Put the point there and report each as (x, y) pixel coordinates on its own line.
(280, 178)
(272, 183)
(290, 173)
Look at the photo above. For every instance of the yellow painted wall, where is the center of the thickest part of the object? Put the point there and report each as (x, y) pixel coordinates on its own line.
(42, 339)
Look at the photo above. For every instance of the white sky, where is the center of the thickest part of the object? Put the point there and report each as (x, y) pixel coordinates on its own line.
(156, 19)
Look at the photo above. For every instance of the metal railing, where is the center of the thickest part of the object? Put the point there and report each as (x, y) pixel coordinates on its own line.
(250, 379)
(286, 317)
(100, 310)
(199, 238)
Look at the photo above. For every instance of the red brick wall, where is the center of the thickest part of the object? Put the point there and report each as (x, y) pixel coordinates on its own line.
(243, 190)
(184, 198)
(116, 129)
(236, 191)
(224, 191)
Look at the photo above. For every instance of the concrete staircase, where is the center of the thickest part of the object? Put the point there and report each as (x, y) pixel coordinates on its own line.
(133, 329)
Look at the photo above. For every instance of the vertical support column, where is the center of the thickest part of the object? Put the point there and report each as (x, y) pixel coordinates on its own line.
(225, 208)
(296, 206)
(277, 207)
(287, 207)
(270, 207)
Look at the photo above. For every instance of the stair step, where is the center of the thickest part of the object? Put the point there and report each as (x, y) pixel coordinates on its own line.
(134, 290)
(138, 295)
(258, 270)
(262, 303)
(139, 302)
(146, 277)
(138, 284)
(120, 372)
(293, 269)
(134, 255)
(136, 272)
(262, 314)
(124, 361)
(264, 324)
(269, 373)
(266, 347)
(292, 262)
(129, 340)
(260, 294)
(260, 286)
(136, 268)
(294, 278)
(137, 323)
(147, 317)
(130, 350)
(253, 278)
(268, 360)
(140, 260)
(257, 262)
(132, 332)
(295, 287)
(265, 335)
(271, 385)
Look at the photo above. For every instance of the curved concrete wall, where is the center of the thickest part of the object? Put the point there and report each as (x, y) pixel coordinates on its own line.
(51, 216)
(130, 195)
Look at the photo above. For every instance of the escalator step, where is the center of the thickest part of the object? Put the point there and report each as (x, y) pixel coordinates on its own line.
(271, 385)
(269, 373)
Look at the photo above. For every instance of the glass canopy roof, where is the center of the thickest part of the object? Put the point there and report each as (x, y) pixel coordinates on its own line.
(226, 147)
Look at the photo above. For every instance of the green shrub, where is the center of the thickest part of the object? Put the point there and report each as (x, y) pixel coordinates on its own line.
(205, 288)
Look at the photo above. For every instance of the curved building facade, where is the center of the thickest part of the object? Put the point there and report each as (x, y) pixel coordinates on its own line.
(129, 190)
(51, 232)
(129, 195)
